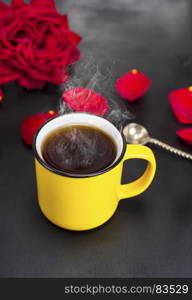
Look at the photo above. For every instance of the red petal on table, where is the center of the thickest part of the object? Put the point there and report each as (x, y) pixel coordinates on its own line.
(30, 125)
(133, 85)
(185, 135)
(85, 100)
(181, 103)
(1, 95)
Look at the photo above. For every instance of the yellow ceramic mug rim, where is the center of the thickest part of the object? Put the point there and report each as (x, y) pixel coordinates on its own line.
(66, 174)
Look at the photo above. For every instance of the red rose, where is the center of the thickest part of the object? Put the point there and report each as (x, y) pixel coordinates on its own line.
(36, 45)
(133, 85)
(181, 103)
(85, 100)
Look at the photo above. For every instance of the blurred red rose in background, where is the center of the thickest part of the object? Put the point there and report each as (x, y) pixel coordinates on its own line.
(36, 45)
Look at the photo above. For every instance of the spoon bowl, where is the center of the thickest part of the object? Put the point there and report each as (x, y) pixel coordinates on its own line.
(136, 134)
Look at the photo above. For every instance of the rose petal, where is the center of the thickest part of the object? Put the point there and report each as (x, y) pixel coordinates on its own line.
(64, 21)
(70, 55)
(60, 77)
(6, 13)
(4, 6)
(85, 100)
(6, 74)
(133, 85)
(75, 38)
(4, 40)
(30, 125)
(42, 32)
(17, 3)
(30, 83)
(181, 103)
(8, 78)
(44, 3)
(5, 69)
(185, 135)
(5, 54)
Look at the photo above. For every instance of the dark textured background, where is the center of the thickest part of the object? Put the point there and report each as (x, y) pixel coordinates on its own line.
(150, 235)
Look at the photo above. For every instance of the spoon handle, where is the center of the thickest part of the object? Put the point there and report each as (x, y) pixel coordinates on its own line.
(170, 148)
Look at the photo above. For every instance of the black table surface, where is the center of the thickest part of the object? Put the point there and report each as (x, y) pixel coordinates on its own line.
(149, 235)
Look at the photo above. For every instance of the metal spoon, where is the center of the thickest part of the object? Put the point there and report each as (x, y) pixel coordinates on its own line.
(137, 134)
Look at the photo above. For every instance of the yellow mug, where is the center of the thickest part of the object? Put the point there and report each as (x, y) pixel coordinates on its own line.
(82, 202)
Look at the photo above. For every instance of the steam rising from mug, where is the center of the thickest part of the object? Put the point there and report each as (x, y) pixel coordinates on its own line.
(100, 79)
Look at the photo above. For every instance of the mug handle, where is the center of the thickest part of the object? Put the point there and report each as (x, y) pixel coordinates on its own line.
(141, 184)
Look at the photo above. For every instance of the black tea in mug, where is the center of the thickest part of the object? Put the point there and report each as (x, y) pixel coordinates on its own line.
(79, 149)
